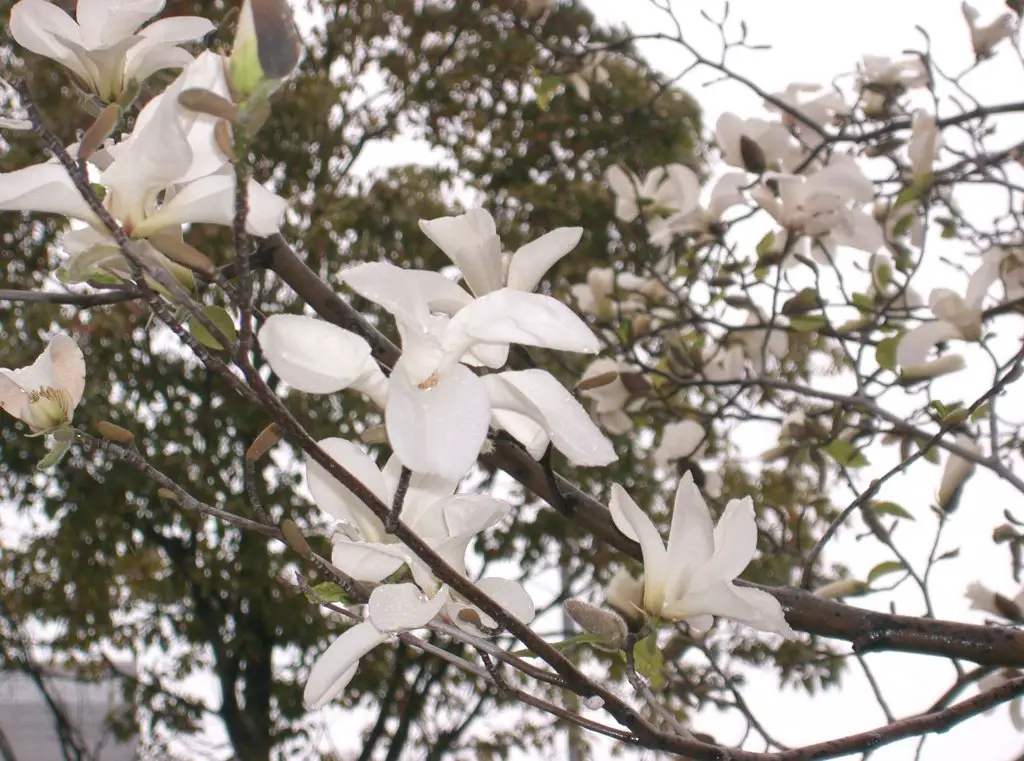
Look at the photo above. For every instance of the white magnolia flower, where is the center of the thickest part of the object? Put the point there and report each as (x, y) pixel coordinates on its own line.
(1005, 265)
(881, 80)
(106, 50)
(759, 342)
(665, 190)
(608, 292)
(755, 144)
(471, 241)
(954, 476)
(166, 174)
(814, 102)
(538, 411)
(44, 395)
(956, 317)
(707, 219)
(985, 38)
(723, 364)
(438, 411)
(984, 599)
(681, 440)
(924, 148)
(613, 400)
(392, 608)
(692, 578)
(316, 357)
(821, 205)
(591, 72)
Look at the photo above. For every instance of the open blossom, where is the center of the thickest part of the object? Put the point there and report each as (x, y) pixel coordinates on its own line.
(822, 205)
(755, 145)
(681, 440)
(105, 49)
(44, 395)
(167, 173)
(608, 292)
(692, 578)
(957, 317)
(449, 525)
(392, 608)
(604, 381)
(699, 219)
(818, 104)
(665, 189)
(985, 37)
(471, 241)
(881, 80)
(438, 410)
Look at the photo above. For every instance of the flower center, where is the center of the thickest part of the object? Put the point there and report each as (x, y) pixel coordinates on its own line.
(430, 382)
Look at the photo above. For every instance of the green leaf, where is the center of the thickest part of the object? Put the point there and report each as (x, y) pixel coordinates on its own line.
(565, 644)
(328, 591)
(808, 323)
(765, 244)
(845, 453)
(547, 89)
(905, 196)
(883, 507)
(56, 454)
(221, 320)
(863, 302)
(885, 352)
(649, 660)
(886, 567)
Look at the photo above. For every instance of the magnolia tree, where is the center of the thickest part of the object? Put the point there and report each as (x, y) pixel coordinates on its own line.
(773, 298)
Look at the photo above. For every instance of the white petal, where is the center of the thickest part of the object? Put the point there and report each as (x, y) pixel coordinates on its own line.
(915, 345)
(748, 606)
(312, 355)
(538, 395)
(211, 200)
(507, 316)
(42, 27)
(735, 543)
(510, 595)
(148, 58)
(422, 509)
(14, 398)
(531, 262)
(634, 523)
(473, 513)
(335, 668)
(44, 188)
(399, 607)
(470, 240)
(104, 22)
(410, 295)
(67, 366)
(438, 430)
(335, 499)
(624, 186)
(691, 541)
(368, 561)
(680, 440)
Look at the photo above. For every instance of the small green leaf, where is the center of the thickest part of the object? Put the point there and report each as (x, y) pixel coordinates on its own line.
(845, 453)
(765, 244)
(328, 591)
(883, 507)
(60, 448)
(547, 88)
(905, 196)
(885, 353)
(221, 320)
(863, 302)
(649, 660)
(886, 567)
(565, 644)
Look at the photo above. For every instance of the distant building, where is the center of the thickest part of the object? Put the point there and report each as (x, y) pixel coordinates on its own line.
(28, 728)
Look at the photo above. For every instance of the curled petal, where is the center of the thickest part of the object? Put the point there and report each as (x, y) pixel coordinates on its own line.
(337, 500)
(335, 668)
(312, 355)
(368, 561)
(471, 241)
(913, 349)
(634, 523)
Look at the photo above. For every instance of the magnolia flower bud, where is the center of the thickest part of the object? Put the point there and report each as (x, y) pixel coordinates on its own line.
(944, 365)
(266, 47)
(625, 594)
(955, 475)
(594, 620)
(842, 588)
(115, 432)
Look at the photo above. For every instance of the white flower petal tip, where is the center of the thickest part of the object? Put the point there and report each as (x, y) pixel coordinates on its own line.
(314, 356)
(45, 394)
(335, 668)
(401, 607)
